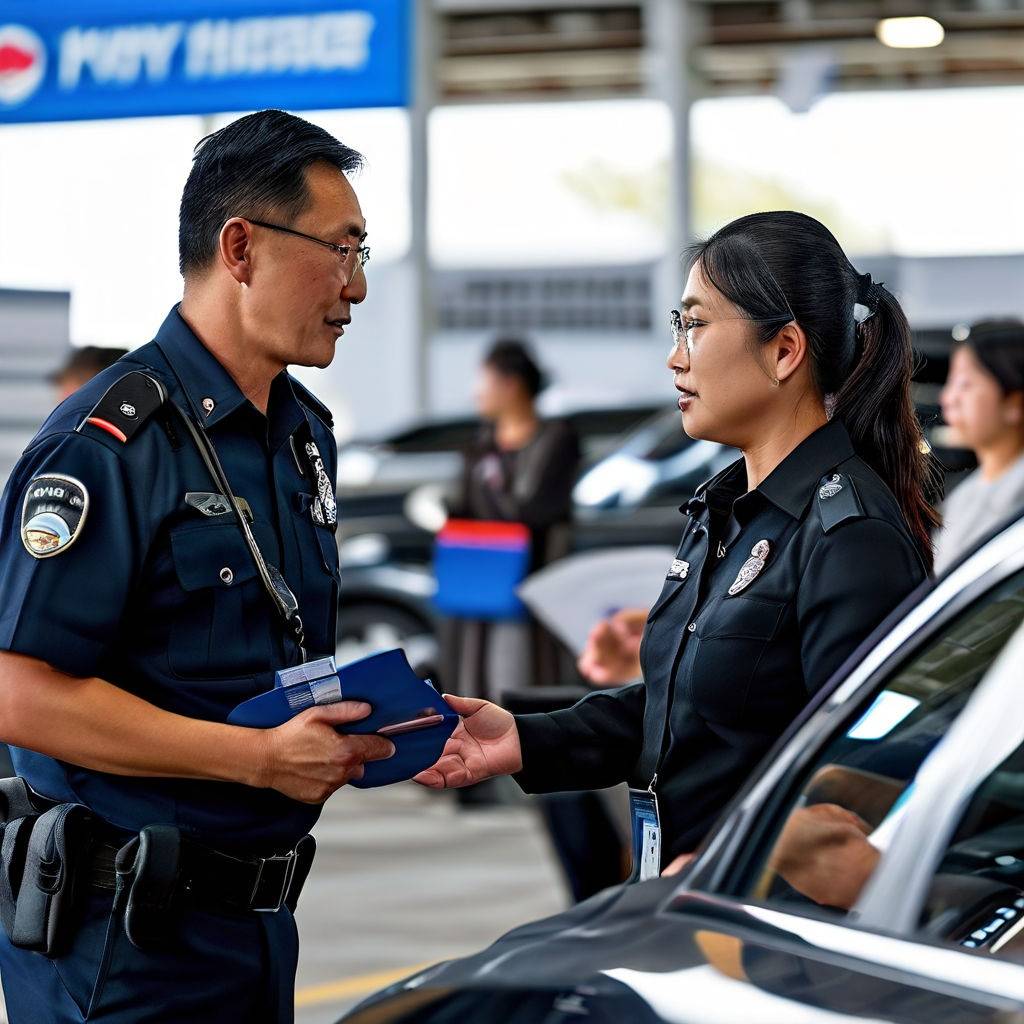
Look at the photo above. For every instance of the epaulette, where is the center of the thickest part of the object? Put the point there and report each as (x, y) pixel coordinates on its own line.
(126, 406)
(310, 401)
(837, 500)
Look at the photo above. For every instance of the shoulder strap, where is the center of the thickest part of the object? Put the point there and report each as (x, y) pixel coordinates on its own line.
(837, 501)
(127, 406)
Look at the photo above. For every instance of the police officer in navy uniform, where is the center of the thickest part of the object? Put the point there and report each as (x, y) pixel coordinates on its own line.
(789, 558)
(136, 612)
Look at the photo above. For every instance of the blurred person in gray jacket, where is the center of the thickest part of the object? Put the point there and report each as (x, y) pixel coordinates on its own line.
(983, 403)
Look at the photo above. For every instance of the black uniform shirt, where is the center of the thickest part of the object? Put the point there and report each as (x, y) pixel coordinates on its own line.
(162, 599)
(735, 645)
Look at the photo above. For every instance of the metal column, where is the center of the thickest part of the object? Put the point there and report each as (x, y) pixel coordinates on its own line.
(669, 33)
(425, 54)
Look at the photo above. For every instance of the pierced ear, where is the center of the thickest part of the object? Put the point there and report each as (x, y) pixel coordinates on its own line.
(790, 350)
(234, 243)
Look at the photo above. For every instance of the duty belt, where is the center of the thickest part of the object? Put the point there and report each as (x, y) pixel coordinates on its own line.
(211, 878)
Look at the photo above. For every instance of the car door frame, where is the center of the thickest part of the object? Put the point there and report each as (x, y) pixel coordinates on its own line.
(721, 865)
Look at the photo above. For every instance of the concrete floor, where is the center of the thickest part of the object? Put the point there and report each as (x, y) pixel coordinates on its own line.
(402, 878)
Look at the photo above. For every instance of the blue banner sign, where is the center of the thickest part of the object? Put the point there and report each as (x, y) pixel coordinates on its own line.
(67, 61)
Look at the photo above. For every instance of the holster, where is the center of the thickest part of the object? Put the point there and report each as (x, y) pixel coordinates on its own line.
(148, 869)
(48, 901)
(20, 807)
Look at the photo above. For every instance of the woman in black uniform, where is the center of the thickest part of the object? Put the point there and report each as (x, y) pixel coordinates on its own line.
(789, 558)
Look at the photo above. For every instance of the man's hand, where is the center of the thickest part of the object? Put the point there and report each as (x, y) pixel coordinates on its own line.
(612, 654)
(307, 759)
(823, 853)
(485, 743)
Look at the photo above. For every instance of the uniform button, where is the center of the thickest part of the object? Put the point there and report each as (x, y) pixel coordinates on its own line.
(692, 626)
(227, 576)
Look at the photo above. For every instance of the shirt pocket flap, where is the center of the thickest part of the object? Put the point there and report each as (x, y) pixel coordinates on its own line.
(668, 591)
(211, 555)
(746, 618)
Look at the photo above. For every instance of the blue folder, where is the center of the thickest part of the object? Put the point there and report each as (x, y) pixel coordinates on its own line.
(387, 683)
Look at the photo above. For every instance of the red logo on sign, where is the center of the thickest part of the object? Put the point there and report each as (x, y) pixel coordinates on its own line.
(22, 64)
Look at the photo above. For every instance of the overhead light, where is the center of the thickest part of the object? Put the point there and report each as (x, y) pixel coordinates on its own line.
(910, 33)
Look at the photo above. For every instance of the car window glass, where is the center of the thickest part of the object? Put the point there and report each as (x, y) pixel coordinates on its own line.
(830, 837)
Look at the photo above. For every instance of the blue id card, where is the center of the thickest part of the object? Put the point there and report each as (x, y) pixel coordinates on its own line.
(643, 810)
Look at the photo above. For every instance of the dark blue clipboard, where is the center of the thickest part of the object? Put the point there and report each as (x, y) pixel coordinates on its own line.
(395, 693)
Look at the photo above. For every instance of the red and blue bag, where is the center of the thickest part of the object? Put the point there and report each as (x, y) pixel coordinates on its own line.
(478, 564)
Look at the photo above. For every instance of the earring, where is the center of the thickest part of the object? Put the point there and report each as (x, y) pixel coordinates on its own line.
(776, 382)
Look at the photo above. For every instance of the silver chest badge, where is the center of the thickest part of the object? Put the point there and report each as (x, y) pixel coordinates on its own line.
(832, 488)
(751, 568)
(679, 570)
(324, 508)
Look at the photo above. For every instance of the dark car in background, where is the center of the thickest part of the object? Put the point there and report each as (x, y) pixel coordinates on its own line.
(930, 712)
(390, 501)
(628, 493)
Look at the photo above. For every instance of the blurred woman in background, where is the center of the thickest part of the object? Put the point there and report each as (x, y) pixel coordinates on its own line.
(521, 470)
(983, 404)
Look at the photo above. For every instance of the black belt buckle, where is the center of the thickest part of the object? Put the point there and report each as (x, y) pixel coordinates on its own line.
(273, 880)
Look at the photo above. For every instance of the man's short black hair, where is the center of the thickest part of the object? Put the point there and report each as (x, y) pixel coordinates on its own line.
(253, 167)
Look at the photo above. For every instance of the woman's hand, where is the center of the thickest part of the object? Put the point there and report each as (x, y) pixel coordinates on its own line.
(678, 864)
(485, 743)
(612, 654)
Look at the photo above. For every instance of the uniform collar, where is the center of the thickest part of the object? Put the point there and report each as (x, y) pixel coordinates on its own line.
(792, 483)
(204, 379)
(201, 375)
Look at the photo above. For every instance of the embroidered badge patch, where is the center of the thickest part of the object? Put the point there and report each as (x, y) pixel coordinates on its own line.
(53, 514)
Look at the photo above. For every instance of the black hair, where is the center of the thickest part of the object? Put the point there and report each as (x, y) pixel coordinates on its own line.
(87, 361)
(512, 358)
(999, 347)
(784, 266)
(253, 167)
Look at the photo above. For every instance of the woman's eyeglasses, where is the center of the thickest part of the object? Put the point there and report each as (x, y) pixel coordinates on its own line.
(683, 326)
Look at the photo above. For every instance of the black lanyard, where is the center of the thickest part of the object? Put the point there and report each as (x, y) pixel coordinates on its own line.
(285, 603)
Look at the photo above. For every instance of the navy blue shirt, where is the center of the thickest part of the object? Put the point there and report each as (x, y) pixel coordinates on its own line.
(162, 599)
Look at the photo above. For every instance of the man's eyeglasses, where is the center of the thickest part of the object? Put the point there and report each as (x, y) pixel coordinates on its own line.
(684, 326)
(346, 253)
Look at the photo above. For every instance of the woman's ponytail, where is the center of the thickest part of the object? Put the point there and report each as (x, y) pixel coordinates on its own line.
(876, 408)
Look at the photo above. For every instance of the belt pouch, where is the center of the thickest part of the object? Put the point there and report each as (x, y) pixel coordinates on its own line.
(18, 800)
(305, 850)
(148, 868)
(53, 880)
(19, 808)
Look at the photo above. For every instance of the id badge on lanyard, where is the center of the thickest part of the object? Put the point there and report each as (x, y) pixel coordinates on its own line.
(643, 810)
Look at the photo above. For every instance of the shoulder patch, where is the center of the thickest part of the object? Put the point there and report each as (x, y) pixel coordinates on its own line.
(128, 403)
(837, 500)
(306, 397)
(52, 514)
